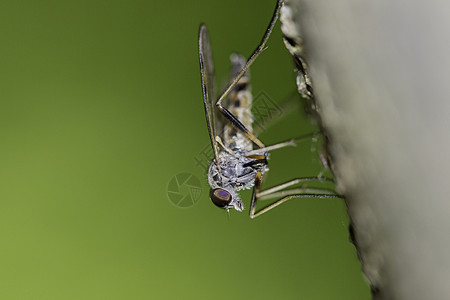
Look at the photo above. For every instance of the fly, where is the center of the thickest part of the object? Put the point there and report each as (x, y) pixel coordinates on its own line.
(237, 165)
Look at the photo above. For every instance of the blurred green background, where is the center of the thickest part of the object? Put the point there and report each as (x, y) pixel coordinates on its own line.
(100, 106)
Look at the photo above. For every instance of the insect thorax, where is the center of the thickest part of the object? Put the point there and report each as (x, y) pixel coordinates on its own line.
(237, 172)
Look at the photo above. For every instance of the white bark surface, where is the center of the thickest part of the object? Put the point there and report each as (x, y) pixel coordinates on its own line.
(381, 75)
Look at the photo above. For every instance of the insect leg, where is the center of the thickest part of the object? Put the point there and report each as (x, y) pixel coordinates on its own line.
(287, 194)
(290, 142)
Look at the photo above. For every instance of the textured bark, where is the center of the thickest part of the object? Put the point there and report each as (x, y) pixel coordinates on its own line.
(380, 72)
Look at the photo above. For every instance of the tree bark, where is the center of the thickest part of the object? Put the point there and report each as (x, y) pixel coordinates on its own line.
(380, 72)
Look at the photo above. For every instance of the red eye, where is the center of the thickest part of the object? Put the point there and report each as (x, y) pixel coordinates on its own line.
(220, 197)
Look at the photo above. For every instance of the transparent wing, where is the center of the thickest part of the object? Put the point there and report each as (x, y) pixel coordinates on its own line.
(207, 74)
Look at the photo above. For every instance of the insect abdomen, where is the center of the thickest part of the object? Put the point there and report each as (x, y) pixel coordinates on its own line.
(239, 104)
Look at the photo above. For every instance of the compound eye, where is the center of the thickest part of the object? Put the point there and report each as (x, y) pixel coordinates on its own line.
(220, 197)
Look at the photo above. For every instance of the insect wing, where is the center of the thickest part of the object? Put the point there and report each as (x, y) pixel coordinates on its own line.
(207, 74)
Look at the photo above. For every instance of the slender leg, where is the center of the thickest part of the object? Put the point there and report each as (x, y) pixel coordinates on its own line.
(238, 124)
(282, 186)
(298, 193)
(256, 188)
(291, 142)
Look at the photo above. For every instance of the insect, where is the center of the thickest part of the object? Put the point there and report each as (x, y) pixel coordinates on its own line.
(236, 165)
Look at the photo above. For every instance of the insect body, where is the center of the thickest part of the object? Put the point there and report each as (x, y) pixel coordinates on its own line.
(236, 165)
(234, 170)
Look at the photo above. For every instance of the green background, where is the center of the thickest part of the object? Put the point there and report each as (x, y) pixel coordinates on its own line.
(100, 106)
